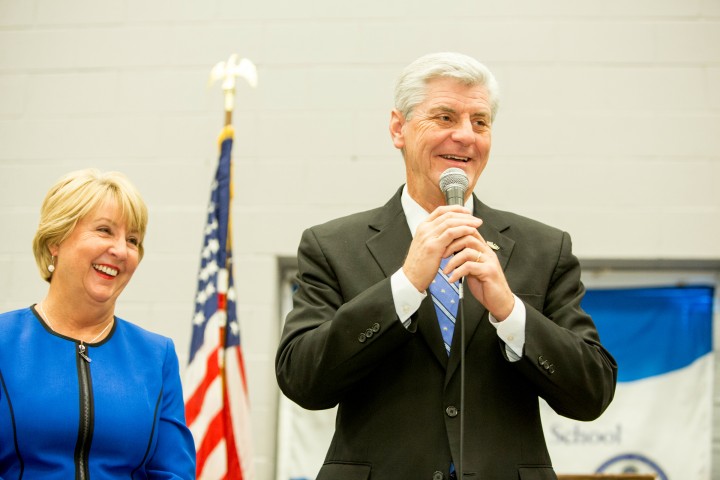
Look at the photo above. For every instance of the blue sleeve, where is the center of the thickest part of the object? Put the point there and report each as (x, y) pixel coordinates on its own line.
(174, 456)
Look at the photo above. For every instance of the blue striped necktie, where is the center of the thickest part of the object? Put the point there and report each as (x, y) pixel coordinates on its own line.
(445, 296)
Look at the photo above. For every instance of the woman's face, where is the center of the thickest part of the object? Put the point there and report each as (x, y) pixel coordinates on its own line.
(99, 257)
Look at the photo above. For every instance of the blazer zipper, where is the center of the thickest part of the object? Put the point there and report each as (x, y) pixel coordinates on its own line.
(87, 414)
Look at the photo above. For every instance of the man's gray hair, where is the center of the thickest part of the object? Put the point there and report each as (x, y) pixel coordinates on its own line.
(411, 86)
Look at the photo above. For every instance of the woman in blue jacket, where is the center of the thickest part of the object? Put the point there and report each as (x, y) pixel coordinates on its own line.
(83, 393)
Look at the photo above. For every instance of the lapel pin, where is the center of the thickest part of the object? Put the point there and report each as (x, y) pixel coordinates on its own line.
(493, 245)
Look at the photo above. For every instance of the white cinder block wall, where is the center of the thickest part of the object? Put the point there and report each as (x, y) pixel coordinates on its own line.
(609, 127)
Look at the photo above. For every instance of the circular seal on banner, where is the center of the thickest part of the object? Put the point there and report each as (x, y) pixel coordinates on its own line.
(631, 463)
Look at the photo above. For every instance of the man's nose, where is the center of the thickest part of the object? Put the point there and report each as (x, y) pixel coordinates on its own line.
(464, 132)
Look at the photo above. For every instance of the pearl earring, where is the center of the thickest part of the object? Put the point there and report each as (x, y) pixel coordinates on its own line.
(51, 267)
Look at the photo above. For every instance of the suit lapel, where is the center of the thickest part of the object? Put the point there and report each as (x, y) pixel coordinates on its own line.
(390, 244)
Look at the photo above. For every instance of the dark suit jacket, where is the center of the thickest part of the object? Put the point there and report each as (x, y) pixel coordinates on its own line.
(397, 390)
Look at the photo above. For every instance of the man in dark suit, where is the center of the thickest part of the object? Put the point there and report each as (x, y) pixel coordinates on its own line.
(364, 333)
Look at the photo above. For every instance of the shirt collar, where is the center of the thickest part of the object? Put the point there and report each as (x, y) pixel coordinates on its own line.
(415, 214)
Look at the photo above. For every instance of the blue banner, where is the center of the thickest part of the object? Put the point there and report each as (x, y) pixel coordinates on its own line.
(660, 419)
(652, 331)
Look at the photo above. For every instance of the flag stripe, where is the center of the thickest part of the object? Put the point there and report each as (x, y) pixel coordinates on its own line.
(213, 437)
(195, 403)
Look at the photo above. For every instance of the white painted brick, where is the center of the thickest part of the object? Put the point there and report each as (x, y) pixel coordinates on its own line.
(592, 181)
(602, 41)
(14, 13)
(254, 274)
(174, 232)
(13, 95)
(26, 286)
(168, 90)
(292, 42)
(610, 133)
(285, 9)
(108, 142)
(64, 138)
(710, 8)
(607, 87)
(74, 12)
(206, 44)
(353, 182)
(688, 41)
(352, 87)
(641, 234)
(169, 10)
(164, 279)
(256, 333)
(22, 283)
(409, 39)
(279, 183)
(68, 94)
(713, 87)
(5, 278)
(17, 239)
(116, 46)
(23, 187)
(372, 135)
(283, 88)
(65, 49)
(282, 228)
(557, 9)
(310, 133)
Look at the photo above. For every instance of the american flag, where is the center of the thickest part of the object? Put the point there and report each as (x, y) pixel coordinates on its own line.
(216, 396)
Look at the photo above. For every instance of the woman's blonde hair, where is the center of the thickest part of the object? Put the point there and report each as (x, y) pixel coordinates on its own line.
(74, 196)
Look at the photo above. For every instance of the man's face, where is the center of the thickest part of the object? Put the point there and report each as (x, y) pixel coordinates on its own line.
(450, 128)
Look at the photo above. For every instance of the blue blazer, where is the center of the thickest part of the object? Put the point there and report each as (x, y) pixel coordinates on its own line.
(398, 393)
(119, 416)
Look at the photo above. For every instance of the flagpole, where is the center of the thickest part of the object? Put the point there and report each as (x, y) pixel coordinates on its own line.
(227, 71)
(216, 400)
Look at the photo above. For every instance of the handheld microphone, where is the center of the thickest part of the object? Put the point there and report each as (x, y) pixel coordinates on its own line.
(454, 183)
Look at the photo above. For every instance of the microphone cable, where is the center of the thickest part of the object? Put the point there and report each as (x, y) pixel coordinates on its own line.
(461, 321)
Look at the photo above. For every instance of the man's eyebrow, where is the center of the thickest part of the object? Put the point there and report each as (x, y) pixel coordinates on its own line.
(446, 109)
(442, 108)
(481, 115)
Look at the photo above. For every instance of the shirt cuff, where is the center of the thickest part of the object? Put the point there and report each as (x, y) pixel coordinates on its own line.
(406, 297)
(512, 330)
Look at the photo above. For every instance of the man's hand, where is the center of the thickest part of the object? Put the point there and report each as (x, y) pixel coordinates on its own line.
(478, 263)
(446, 226)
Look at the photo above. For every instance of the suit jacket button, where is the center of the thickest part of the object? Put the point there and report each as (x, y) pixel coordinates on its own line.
(369, 333)
(362, 338)
(451, 411)
(376, 327)
(438, 475)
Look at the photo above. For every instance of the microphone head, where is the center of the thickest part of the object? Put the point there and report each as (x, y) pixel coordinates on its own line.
(453, 183)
